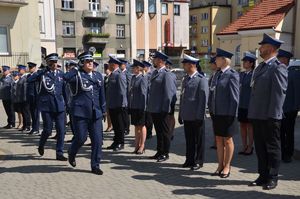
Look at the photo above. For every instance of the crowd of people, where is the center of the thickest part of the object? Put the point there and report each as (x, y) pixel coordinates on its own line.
(264, 99)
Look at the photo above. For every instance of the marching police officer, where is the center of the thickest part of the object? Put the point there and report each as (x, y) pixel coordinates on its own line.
(269, 84)
(161, 96)
(6, 82)
(51, 103)
(290, 107)
(149, 122)
(32, 100)
(123, 67)
(87, 109)
(22, 96)
(193, 102)
(117, 102)
(249, 60)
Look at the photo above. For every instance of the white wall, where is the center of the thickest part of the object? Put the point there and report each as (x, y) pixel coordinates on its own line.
(181, 26)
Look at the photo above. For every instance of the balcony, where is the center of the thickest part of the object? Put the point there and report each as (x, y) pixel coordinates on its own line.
(94, 14)
(96, 38)
(13, 3)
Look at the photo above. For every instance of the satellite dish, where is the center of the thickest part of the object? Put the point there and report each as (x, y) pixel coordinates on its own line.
(92, 49)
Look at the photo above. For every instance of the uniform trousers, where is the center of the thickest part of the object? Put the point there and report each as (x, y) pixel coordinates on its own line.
(82, 128)
(34, 112)
(9, 110)
(194, 132)
(25, 111)
(48, 119)
(287, 134)
(117, 116)
(267, 147)
(162, 128)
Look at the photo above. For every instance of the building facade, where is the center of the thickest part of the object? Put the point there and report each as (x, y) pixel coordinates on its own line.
(205, 23)
(159, 25)
(19, 32)
(101, 26)
(245, 33)
(47, 26)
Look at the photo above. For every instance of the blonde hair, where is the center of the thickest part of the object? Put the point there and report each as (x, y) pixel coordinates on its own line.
(227, 61)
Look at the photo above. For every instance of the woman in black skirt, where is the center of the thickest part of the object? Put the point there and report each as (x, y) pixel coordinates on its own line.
(137, 105)
(225, 105)
(245, 90)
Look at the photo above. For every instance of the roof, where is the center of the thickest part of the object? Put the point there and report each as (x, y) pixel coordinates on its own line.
(267, 14)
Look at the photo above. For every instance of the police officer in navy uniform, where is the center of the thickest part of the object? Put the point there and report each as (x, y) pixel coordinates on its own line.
(87, 109)
(22, 96)
(246, 129)
(137, 101)
(149, 122)
(6, 82)
(123, 67)
(117, 102)
(291, 106)
(161, 95)
(212, 85)
(269, 84)
(193, 101)
(51, 103)
(224, 108)
(32, 100)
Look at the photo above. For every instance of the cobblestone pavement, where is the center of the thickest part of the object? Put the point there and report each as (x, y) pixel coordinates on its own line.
(23, 174)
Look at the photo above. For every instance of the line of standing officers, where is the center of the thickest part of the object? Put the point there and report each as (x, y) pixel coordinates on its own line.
(264, 99)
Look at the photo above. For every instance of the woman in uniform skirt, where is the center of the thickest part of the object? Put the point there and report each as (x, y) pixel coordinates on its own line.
(137, 105)
(245, 91)
(16, 103)
(106, 78)
(225, 105)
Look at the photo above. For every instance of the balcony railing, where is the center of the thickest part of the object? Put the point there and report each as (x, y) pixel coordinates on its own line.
(94, 14)
(96, 38)
(13, 3)
(14, 59)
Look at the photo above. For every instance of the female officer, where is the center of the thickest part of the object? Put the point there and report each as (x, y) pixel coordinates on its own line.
(137, 105)
(225, 105)
(245, 91)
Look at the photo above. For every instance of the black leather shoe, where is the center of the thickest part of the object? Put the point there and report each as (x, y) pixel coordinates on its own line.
(97, 171)
(162, 158)
(112, 146)
(271, 184)
(61, 158)
(196, 167)
(186, 165)
(154, 157)
(119, 147)
(27, 129)
(8, 126)
(41, 150)
(260, 181)
(287, 160)
(72, 161)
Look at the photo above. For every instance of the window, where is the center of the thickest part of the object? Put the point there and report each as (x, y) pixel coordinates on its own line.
(204, 29)
(204, 42)
(164, 9)
(239, 14)
(94, 5)
(67, 4)
(177, 10)
(238, 55)
(139, 6)
(3, 40)
(95, 28)
(120, 31)
(41, 24)
(193, 19)
(152, 6)
(140, 53)
(243, 2)
(120, 7)
(204, 16)
(68, 28)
